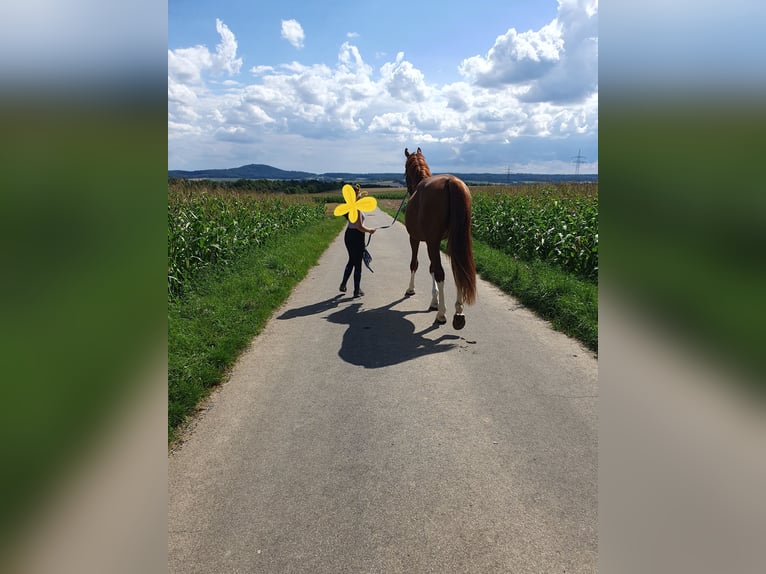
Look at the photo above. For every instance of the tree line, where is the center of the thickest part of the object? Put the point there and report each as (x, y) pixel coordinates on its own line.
(259, 185)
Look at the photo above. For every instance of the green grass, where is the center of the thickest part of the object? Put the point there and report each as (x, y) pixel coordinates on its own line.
(568, 302)
(225, 307)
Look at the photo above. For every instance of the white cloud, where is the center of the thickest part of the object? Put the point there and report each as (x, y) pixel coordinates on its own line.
(257, 70)
(403, 81)
(516, 57)
(558, 62)
(577, 75)
(459, 96)
(179, 129)
(391, 123)
(351, 60)
(226, 51)
(186, 65)
(232, 133)
(181, 94)
(292, 31)
(520, 99)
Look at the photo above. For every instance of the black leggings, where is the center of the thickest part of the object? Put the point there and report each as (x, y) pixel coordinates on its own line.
(354, 240)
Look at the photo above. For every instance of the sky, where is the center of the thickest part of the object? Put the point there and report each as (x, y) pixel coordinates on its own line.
(345, 86)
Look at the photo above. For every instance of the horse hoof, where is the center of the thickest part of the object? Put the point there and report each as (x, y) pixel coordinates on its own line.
(409, 293)
(458, 322)
(434, 308)
(440, 320)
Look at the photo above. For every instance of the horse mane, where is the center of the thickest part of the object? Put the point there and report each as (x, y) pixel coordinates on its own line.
(416, 169)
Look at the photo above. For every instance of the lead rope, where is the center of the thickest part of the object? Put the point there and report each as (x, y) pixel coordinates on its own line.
(366, 257)
(392, 222)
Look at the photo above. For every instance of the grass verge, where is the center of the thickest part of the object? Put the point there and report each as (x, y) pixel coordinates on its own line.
(569, 303)
(223, 309)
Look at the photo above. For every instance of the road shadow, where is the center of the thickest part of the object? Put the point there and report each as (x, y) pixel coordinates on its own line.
(313, 309)
(383, 336)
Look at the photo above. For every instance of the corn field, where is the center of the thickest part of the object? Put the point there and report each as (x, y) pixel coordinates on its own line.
(206, 228)
(558, 228)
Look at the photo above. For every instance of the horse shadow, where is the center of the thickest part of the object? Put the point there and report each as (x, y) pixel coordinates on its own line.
(383, 336)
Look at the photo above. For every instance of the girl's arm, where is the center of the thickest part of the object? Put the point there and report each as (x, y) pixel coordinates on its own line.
(361, 227)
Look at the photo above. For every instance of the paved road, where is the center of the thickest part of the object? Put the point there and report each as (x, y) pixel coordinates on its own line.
(356, 436)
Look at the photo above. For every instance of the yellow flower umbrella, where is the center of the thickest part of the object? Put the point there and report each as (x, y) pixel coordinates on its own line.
(353, 205)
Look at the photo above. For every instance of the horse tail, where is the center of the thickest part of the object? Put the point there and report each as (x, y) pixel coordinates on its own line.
(459, 242)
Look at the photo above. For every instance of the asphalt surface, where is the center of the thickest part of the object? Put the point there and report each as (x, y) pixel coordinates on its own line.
(354, 435)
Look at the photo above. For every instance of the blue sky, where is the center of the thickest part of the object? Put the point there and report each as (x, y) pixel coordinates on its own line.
(346, 86)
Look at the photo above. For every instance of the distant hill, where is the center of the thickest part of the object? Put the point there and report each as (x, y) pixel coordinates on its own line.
(261, 171)
(250, 171)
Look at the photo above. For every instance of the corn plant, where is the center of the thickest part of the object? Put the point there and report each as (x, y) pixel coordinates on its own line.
(206, 229)
(558, 228)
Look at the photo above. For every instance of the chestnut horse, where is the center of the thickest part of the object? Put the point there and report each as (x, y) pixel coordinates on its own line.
(439, 208)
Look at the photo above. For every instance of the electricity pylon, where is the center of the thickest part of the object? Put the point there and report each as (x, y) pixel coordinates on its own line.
(578, 159)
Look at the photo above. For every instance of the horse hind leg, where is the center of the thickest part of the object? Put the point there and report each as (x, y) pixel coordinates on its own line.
(414, 244)
(411, 287)
(437, 272)
(458, 321)
(434, 294)
(441, 309)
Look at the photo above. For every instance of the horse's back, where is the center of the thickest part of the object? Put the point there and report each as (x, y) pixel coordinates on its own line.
(427, 213)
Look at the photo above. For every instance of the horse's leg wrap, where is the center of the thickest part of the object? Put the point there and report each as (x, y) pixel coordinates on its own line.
(441, 313)
(434, 294)
(437, 273)
(411, 289)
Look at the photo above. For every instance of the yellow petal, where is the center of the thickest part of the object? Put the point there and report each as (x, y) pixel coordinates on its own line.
(367, 204)
(349, 194)
(353, 214)
(341, 209)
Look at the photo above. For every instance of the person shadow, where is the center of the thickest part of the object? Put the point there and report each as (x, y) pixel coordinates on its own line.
(313, 309)
(383, 336)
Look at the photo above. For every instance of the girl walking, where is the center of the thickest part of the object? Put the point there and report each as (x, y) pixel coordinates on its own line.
(354, 239)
